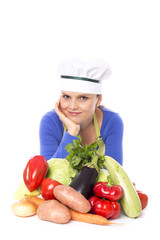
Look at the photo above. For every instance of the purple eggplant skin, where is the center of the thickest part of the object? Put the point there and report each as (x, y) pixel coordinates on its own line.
(84, 182)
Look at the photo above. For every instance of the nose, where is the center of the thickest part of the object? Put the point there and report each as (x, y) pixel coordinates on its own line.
(73, 105)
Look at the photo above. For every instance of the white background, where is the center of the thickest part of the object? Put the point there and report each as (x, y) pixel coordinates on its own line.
(34, 37)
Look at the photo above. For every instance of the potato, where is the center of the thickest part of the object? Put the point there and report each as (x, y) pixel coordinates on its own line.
(53, 211)
(71, 198)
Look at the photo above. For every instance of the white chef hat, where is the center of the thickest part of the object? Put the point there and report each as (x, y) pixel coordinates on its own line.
(82, 76)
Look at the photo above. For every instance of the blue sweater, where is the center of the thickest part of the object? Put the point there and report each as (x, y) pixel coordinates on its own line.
(52, 140)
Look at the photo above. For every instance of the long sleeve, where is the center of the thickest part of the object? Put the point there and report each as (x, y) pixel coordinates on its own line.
(112, 134)
(52, 139)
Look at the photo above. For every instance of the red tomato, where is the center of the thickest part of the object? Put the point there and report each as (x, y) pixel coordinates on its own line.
(104, 208)
(117, 210)
(143, 198)
(47, 187)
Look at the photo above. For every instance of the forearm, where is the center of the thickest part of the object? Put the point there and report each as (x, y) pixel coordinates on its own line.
(61, 152)
(55, 149)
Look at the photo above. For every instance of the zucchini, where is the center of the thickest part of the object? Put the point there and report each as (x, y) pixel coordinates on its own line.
(130, 202)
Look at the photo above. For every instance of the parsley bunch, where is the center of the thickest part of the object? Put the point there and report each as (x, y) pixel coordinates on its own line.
(80, 156)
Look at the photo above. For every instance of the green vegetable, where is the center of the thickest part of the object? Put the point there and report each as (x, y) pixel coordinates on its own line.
(104, 176)
(61, 171)
(130, 202)
(80, 156)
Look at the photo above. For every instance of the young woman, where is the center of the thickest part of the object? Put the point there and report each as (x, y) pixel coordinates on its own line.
(78, 112)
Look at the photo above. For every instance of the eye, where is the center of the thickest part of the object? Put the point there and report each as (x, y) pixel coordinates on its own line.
(65, 96)
(83, 98)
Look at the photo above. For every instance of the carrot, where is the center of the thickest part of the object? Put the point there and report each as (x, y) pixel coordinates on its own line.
(36, 200)
(89, 218)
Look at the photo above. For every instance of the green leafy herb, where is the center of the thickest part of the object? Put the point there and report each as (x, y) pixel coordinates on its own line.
(80, 156)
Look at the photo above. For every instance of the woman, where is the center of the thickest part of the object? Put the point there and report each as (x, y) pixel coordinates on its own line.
(78, 112)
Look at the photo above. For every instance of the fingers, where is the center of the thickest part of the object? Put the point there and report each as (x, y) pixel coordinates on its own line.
(57, 107)
(61, 115)
(73, 128)
(58, 111)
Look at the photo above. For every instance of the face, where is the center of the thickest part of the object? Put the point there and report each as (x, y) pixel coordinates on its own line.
(79, 107)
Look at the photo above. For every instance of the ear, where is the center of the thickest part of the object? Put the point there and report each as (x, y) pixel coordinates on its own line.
(99, 99)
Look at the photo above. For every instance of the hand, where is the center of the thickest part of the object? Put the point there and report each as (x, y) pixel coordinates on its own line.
(73, 128)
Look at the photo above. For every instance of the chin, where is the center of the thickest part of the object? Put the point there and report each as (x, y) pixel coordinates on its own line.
(76, 121)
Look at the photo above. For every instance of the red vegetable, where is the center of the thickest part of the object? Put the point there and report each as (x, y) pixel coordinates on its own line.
(47, 187)
(92, 201)
(143, 198)
(117, 210)
(114, 193)
(104, 208)
(35, 172)
(116, 207)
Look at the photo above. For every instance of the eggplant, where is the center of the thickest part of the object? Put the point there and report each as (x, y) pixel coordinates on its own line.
(85, 180)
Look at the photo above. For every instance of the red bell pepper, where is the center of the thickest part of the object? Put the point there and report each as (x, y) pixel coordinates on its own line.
(92, 201)
(117, 210)
(35, 172)
(104, 208)
(114, 193)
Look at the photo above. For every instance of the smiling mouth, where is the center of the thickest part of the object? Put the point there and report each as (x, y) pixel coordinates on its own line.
(74, 113)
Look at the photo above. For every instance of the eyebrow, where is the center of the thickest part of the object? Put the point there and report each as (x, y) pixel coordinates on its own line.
(80, 95)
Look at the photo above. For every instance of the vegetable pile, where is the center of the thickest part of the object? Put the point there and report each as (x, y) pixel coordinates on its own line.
(86, 186)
